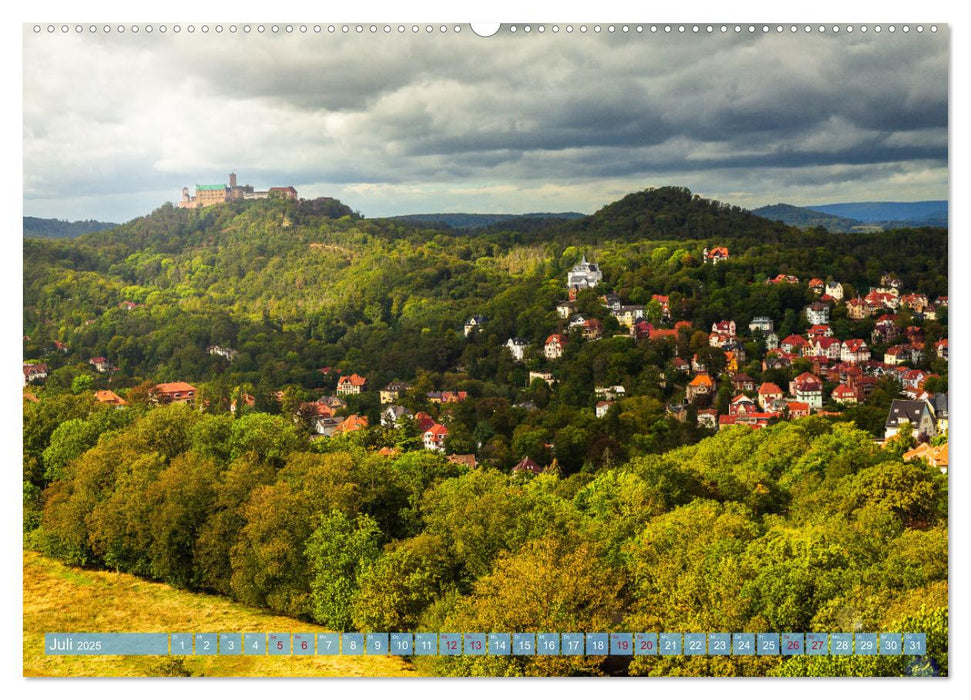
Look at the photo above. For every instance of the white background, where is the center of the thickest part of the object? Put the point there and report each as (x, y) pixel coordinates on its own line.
(509, 11)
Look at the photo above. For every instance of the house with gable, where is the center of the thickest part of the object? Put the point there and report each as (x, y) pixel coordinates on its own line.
(715, 255)
(351, 384)
(172, 392)
(517, 348)
(807, 388)
(917, 413)
(434, 437)
(473, 324)
(701, 385)
(34, 371)
(844, 394)
(854, 350)
(768, 393)
(817, 313)
(584, 275)
(554, 346)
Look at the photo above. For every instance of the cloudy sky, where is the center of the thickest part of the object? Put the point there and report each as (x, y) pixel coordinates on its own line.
(116, 125)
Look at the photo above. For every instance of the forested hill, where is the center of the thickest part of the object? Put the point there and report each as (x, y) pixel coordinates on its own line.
(35, 227)
(674, 213)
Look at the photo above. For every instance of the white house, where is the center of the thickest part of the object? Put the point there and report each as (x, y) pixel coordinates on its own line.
(761, 323)
(554, 346)
(835, 290)
(434, 438)
(584, 275)
(473, 324)
(817, 313)
(517, 348)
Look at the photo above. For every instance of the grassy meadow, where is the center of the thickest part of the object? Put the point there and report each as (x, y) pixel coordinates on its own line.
(60, 598)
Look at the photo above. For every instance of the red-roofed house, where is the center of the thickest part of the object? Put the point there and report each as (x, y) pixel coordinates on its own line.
(701, 385)
(857, 309)
(743, 382)
(941, 347)
(351, 384)
(845, 395)
(854, 350)
(434, 437)
(660, 333)
(101, 364)
(820, 330)
(742, 404)
(110, 398)
(33, 371)
(725, 327)
(424, 421)
(715, 255)
(769, 392)
(593, 329)
(823, 347)
(527, 465)
(553, 348)
(792, 344)
(817, 285)
(173, 392)
(898, 355)
(797, 409)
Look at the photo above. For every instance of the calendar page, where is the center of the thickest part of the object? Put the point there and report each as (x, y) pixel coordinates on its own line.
(525, 349)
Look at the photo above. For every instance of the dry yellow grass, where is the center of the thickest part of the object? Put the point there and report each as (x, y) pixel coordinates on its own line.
(59, 598)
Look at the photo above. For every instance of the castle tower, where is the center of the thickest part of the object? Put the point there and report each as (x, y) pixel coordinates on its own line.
(232, 181)
(185, 194)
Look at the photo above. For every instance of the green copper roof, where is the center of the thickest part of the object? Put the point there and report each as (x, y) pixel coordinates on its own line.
(210, 187)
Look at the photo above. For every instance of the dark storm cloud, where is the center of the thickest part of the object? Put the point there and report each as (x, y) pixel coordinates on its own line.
(420, 114)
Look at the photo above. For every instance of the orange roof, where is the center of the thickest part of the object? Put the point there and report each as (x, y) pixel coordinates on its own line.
(173, 387)
(354, 380)
(936, 455)
(30, 397)
(557, 338)
(109, 397)
(770, 388)
(437, 429)
(701, 380)
(351, 423)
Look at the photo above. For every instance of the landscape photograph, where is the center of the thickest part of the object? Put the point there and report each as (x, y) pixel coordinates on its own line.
(395, 350)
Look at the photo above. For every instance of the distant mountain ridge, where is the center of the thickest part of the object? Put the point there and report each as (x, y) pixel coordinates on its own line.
(804, 217)
(859, 217)
(881, 212)
(461, 220)
(35, 227)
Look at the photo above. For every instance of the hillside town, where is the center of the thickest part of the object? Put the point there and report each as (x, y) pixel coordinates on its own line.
(813, 372)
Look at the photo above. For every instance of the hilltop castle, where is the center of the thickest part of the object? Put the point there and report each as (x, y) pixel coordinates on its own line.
(207, 195)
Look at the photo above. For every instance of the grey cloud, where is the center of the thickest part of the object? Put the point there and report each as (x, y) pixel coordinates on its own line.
(143, 114)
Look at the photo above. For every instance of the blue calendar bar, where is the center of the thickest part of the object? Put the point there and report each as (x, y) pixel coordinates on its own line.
(491, 643)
